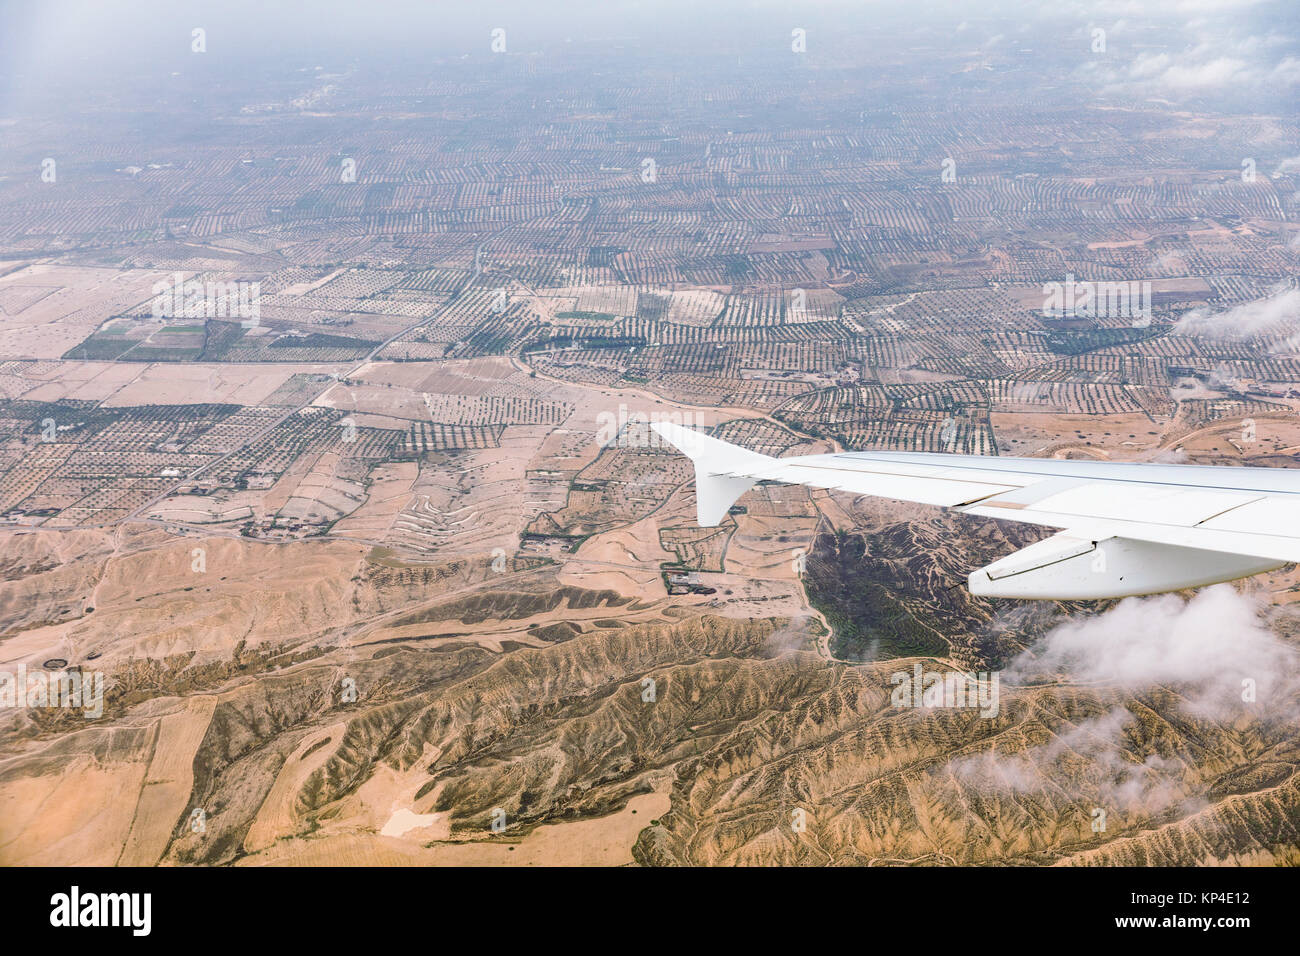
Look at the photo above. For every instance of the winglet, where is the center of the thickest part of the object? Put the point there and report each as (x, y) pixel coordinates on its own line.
(720, 469)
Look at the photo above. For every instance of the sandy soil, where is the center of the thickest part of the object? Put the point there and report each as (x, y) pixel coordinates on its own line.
(606, 841)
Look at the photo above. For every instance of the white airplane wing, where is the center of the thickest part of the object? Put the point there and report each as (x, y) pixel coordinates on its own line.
(1127, 528)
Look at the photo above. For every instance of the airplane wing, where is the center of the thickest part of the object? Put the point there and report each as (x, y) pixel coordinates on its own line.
(1126, 528)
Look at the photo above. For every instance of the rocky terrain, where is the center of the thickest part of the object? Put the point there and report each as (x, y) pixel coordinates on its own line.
(322, 706)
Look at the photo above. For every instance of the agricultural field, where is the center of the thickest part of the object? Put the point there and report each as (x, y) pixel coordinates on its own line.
(309, 371)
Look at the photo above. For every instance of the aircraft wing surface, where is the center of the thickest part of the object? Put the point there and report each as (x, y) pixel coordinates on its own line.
(1125, 528)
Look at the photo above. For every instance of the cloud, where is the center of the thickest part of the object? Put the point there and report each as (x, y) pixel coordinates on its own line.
(1196, 72)
(792, 638)
(1204, 647)
(1224, 55)
(1170, 262)
(1286, 73)
(1274, 315)
(1120, 779)
(1152, 9)
(1289, 165)
(1171, 456)
(1148, 65)
(1214, 73)
(1209, 645)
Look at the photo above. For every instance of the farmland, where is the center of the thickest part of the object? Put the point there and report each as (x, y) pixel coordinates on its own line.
(309, 371)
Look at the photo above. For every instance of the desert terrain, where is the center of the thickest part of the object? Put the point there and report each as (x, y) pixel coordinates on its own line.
(380, 563)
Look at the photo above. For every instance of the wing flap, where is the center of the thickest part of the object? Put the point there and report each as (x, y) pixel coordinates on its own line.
(1276, 547)
(1173, 523)
(1262, 516)
(946, 492)
(1158, 504)
(1066, 567)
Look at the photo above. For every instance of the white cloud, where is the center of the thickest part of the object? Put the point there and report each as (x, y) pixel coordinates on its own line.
(1219, 57)
(1203, 648)
(1216, 73)
(1274, 315)
(1289, 165)
(1209, 644)
(1148, 65)
(1119, 778)
(1155, 9)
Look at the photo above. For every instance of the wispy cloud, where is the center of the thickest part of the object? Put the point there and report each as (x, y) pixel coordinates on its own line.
(1217, 652)
(1209, 644)
(1276, 315)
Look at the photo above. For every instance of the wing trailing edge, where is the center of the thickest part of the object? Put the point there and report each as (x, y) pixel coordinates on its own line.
(1069, 568)
(1128, 528)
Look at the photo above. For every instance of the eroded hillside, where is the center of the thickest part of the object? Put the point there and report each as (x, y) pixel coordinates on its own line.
(327, 704)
